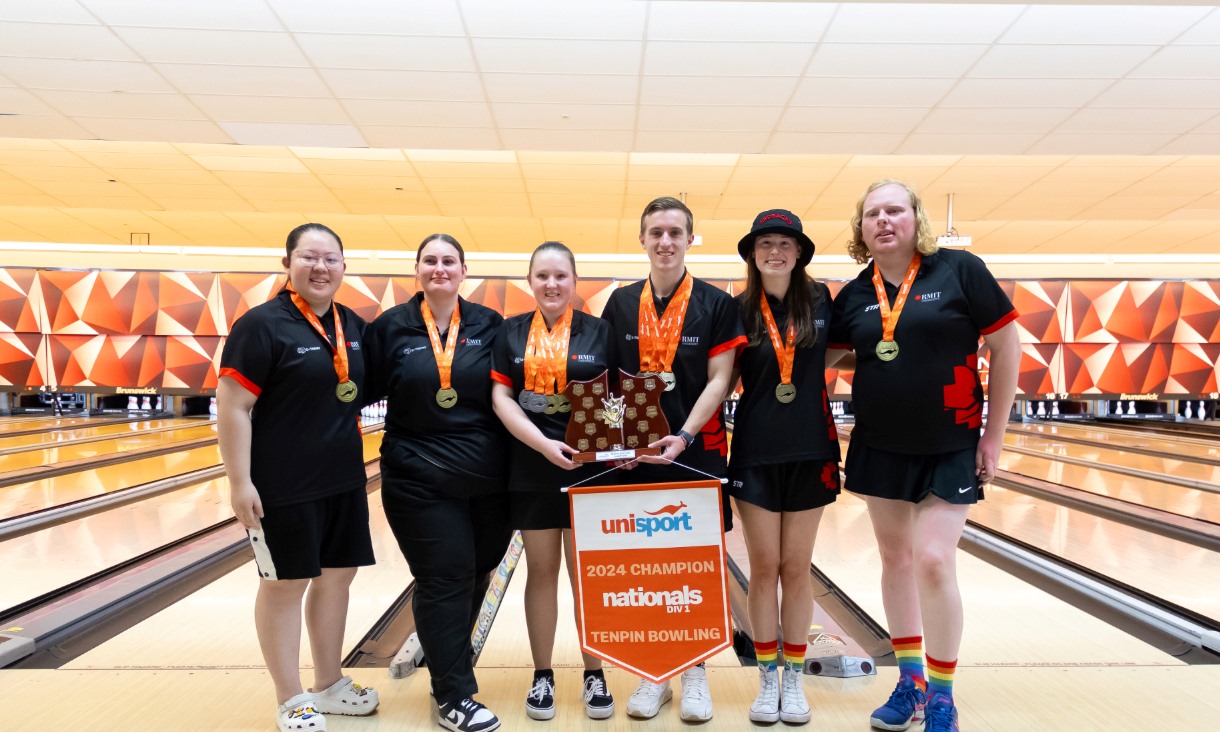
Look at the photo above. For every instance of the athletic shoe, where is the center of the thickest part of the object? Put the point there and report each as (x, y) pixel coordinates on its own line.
(346, 697)
(941, 714)
(696, 697)
(905, 706)
(467, 715)
(299, 713)
(540, 702)
(598, 702)
(648, 698)
(766, 705)
(794, 708)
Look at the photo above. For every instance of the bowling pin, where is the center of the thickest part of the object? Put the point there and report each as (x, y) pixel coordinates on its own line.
(1202, 413)
(1041, 409)
(1055, 408)
(1188, 412)
(133, 403)
(1029, 409)
(1131, 407)
(146, 403)
(159, 403)
(212, 407)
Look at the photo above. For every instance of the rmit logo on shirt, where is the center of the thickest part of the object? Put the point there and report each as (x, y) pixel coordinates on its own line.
(690, 340)
(582, 357)
(819, 323)
(354, 345)
(473, 341)
(928, 296)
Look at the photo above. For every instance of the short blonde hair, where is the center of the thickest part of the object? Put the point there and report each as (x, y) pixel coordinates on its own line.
(925, 242)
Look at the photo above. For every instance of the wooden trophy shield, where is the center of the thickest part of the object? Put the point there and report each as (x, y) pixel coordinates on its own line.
(605, 426)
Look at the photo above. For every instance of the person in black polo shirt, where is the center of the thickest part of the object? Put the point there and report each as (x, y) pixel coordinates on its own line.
(691, 338)
(536, 355)
(288, 419)
(784, 468)
(443, 465)
(913, 319)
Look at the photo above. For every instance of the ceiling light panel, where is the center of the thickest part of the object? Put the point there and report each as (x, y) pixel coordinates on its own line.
(1060, 62)
(606, 21)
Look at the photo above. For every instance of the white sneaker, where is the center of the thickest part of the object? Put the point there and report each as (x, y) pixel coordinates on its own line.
(299, 713)
(766, 706)
(467, 715)
(696, 697)
(794, 707)
(648, 698)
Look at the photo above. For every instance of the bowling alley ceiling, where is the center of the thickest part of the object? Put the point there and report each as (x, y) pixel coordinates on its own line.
(1062, 129)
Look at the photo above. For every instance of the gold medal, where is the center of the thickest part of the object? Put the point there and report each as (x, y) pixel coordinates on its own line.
(887, 350)
(887, 347)
(346, 391)
(446, 398)
(785, 393)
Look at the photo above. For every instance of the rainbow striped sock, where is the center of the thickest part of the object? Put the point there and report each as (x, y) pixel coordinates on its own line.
(766, 653)
(794, 657)
(940, 676)
(909, 653)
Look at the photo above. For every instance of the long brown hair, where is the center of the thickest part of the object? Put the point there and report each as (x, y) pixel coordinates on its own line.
(800, 302)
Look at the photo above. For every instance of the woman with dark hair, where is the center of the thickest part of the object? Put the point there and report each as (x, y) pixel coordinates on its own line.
(443, 466)
(536, 355)
(913, 318)
(287, 413)
(783, 468)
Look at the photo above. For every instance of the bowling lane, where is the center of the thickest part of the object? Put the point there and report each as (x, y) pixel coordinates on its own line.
(36, 495)
(1181, 573)
(1184, 501)
(1008, 622)
(46, 560)
(53, 557)
(22, 424)
(20, 443)
(1119, 438)
(136, 440)
(214, 627)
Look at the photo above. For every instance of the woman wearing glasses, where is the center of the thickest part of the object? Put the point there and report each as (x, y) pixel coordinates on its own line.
(290, 379)
(443, 466)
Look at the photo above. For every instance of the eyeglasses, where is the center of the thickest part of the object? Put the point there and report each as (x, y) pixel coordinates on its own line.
(310, 259)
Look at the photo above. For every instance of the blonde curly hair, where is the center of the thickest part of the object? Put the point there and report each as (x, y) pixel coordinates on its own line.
(925, 242)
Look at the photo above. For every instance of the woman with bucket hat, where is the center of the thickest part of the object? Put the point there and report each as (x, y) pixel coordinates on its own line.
(782, 471)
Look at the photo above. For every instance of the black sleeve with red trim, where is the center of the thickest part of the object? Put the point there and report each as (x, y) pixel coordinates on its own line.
(249, 354)
(990, 308)
(727, 330)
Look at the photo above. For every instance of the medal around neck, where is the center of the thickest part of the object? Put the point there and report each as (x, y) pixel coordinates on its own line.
(446, 398)
(785, 393)
(346, 391)
(604, 426)
(887, 350)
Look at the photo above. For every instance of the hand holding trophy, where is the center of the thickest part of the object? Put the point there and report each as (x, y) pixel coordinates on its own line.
(605, 426)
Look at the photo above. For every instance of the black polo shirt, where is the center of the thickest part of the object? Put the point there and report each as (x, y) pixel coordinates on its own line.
(466, 440)
(929, 400)
(712, 326)
(768, 432)
(305, 443)
(588, 357)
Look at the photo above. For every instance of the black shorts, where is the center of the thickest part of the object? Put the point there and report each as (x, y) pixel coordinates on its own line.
(537, 510)
(786, 486)
(299, 539)
(947, 475)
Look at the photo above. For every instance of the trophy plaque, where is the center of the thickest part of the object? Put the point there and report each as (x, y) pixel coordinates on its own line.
(605, 426)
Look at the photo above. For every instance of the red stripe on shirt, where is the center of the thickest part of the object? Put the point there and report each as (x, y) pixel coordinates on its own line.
(736, 343)
(501, 378)
(237, 376)
(1012, 315)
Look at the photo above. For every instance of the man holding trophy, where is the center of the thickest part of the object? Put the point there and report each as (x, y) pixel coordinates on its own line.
(682, 335)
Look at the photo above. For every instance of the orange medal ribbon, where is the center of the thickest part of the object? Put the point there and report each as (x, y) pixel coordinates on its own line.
(346, 390)
(546, 354)
(887, 348)
(785, 353)
(447, 396)
(659, 337)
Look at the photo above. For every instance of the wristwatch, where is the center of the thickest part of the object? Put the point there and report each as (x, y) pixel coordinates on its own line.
(687, 438)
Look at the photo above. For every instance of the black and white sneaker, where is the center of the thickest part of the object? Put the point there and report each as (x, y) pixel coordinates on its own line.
(467, 715)
(598, 702)
(540, 702)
